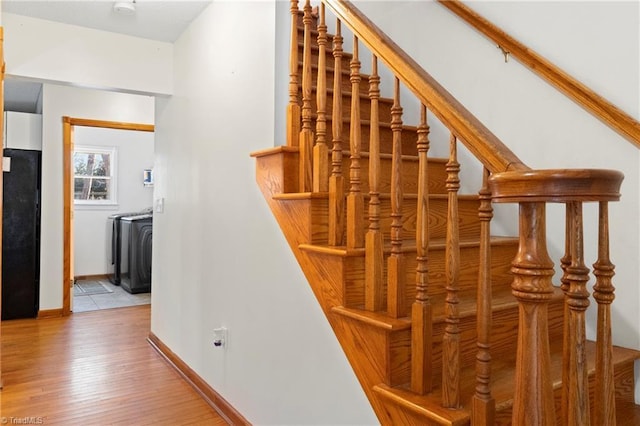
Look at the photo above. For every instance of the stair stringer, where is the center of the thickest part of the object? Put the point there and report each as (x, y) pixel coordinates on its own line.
(367, 347)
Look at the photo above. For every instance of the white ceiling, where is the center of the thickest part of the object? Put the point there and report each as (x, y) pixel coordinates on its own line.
(162, 20)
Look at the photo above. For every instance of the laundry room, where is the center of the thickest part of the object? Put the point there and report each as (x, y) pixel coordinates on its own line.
(112, 220)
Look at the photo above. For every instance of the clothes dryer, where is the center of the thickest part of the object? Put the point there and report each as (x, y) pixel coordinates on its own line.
(135, 250)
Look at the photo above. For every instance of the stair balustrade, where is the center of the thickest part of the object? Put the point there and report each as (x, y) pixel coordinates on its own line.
(506, 179)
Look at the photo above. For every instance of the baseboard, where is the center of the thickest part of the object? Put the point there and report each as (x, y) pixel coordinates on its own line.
(50, 313)
(211, 397)
(91, 277)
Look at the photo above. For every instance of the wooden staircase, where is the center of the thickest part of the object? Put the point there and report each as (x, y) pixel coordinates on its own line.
(442, 322)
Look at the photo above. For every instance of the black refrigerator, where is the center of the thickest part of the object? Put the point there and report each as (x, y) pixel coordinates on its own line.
(21, 234)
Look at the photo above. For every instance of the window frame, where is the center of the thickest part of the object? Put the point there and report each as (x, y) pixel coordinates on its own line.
(112, 151)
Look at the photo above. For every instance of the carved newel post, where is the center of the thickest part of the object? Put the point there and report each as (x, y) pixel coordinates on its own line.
(532, 271)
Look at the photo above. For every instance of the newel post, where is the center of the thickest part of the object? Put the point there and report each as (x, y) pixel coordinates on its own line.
(532, 272)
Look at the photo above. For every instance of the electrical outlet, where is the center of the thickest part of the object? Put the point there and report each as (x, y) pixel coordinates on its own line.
(220, 337)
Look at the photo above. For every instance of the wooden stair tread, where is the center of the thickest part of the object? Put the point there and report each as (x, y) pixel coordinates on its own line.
(376, 319)
(408, 246)
(345, 153)
(382, 195)
(502, 299)
(427, 406)
(274, 150)
(365, 122)
(502, 381)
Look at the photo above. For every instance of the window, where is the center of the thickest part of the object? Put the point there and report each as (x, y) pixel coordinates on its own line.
(94, 175)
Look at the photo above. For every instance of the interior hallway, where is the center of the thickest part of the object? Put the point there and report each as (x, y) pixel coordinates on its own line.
(94, 368)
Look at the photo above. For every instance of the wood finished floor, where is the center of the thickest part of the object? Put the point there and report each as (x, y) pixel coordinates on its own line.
(94, 368)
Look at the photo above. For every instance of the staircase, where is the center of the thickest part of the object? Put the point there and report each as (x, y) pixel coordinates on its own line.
(442, 322)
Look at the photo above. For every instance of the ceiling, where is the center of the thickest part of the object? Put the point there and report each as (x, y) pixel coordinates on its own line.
(161, 20)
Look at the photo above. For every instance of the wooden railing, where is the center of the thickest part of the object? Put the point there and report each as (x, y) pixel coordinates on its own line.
(505, 179)
(598, 106)
(533, 269)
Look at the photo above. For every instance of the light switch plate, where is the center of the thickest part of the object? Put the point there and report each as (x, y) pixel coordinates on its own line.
(159, 207)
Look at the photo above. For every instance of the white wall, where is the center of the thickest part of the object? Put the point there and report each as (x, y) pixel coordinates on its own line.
(599, 43)
(22, 130)
(60, 101)
(68, 54)
(134, 153)
(219, 257)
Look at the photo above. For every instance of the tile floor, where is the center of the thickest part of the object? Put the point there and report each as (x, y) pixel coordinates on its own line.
(118, 298)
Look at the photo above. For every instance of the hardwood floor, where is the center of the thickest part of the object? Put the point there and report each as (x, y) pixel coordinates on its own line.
(93, 368)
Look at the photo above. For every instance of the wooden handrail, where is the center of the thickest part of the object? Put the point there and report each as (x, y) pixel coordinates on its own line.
(593, 103)
(495, 155)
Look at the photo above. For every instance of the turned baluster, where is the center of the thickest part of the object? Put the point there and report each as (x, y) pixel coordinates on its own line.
(483, 412)
(320, 150)
(374, 300)
(451, 337)
(565, 261)
(421, 321)
(336, 181)
(306, 134)
(396, 306)
(532, 272)
(293, 108)
(604, 412)
(577, 300)
(355, 199)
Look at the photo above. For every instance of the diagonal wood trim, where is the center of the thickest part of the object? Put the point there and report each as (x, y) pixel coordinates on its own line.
(593, 103)
(210, 396)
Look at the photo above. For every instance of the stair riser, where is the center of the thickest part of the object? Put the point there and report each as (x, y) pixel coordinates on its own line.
(345, 80)
(504, 327)
(409, 137)
(624, 382)
(437, 175)
(345, 60)
(469, 226)
(384, 106)
(502, 256)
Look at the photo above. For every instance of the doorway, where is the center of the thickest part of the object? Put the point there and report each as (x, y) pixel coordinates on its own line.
(69, 126)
